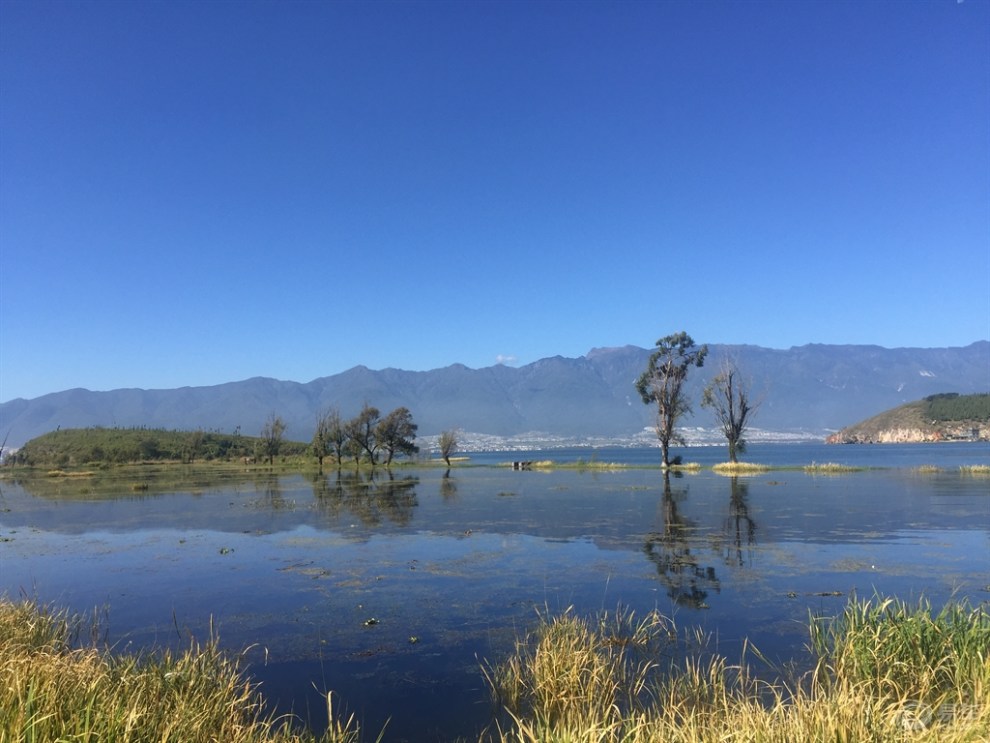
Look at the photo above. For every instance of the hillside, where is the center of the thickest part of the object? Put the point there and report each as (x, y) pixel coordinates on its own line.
(809, 391)
(943, 417)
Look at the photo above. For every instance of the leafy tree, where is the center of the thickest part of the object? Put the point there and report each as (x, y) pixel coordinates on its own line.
(361, 433)
(662, 384)
(728, 396)
(271, 437)
(395, 434)
(448, 444)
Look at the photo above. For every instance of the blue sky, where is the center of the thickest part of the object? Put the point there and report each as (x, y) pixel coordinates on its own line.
(195, 193)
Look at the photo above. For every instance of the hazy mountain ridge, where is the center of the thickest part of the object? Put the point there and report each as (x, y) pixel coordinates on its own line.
(813, 388)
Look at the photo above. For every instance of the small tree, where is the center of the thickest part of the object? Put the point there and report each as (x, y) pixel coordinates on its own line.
(395, 434)
(662, 384)
(336, 434)
(361, 433)
(448, 444)
(728, 397)
(271, 437)
(322, 445)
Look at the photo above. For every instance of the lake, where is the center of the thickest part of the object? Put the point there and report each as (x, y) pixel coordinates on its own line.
(392, 589)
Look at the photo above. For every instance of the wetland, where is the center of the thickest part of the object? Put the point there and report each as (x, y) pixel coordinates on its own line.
(393, 589)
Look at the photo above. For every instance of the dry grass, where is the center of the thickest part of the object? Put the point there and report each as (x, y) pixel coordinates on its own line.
(739, 468)
(886, 672)
(53, 689)
(830, 468)
(976, 469)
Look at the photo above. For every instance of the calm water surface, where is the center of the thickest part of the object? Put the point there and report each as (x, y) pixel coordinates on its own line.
(391, 590)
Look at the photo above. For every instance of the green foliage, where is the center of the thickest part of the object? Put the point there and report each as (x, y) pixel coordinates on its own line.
(954, 407)
(662, 383)
(99, 446)
(395, 434)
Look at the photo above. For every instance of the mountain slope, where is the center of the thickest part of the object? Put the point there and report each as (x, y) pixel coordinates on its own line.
(813, 388)
(943, 417)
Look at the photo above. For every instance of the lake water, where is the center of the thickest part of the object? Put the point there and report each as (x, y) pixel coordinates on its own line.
(391, 590)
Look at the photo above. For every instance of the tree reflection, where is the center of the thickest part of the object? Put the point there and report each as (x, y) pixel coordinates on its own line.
(272, 489)
(448, 487)
(371, 496)
(739, 526)
(670, 549)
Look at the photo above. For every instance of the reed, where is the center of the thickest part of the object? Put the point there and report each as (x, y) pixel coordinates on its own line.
(53, 688)
(739, 468)
(830, 468)
(976, 469)
(885, 672)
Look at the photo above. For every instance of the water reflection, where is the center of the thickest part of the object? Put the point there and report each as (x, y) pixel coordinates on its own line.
(448, 487)
(671, 549)
(740, 527)
(371, 496)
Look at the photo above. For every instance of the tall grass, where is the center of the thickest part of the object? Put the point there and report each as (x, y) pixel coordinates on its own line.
(885, 672)
(739, 468)
(53, 688)
(830, 468)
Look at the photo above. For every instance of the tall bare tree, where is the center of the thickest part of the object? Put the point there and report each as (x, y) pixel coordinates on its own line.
(448, 444)
(728, 397)
(662, 384)
(322, 441)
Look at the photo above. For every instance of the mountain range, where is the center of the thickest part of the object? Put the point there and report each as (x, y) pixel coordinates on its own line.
(808, 390)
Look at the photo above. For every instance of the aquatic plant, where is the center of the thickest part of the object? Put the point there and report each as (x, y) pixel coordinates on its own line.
(885, 672)
(54, 688)
(739, 468)
(830, 468)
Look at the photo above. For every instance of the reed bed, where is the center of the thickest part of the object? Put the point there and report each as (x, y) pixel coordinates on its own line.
(53, 688)
(976, 469)
(885, 671)
(830, 468)
(739, 468)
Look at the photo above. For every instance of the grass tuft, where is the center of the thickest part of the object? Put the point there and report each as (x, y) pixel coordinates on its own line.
(885, 672)
(830, 468)
(53, 689)
(739, 468)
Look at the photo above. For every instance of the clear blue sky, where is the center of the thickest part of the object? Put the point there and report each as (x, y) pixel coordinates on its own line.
(200, 192)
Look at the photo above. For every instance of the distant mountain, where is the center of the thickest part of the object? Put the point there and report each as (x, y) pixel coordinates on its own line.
(813, 389)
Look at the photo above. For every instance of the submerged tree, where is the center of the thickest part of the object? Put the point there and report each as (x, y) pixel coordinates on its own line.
(271, 437)
(322, 444)
(662, 384)
(395, 434)
(330, 436)
(361, 433)
(729, 398)
(448, 444)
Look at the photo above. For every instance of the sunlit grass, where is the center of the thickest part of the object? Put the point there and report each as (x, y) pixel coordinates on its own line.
(55, 689)
(885, 672)
(928, 469)
(830, 468)
(975, 469)
(739, 468)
